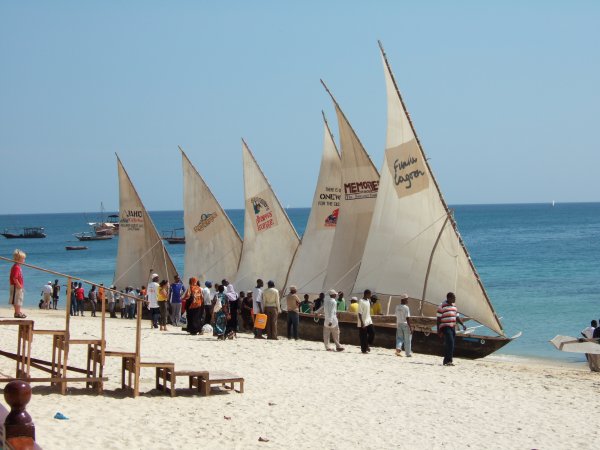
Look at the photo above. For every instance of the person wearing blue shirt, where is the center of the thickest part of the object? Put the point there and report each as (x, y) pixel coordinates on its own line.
(175, 292)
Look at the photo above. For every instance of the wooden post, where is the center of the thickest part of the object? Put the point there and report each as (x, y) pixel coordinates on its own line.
(18, 425)
(138, 347)
(103, 329)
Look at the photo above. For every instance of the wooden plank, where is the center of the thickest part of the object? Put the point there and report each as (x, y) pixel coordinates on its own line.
(52, 332)
(56, 379)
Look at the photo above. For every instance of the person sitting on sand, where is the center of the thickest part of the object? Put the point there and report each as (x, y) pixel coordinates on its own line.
(306, 306)
(353, 308)
(16, 284)
(330, 322)
(588, 332)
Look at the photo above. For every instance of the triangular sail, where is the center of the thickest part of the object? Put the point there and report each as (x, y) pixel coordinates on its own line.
(413, 245)
(141, 250)
(212, 244)
(360, 181)
(310, 263)
(270, 239)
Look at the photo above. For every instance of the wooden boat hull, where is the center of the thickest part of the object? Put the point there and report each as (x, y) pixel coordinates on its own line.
(467, 346)
(175, 240)
(76, 247)
(23, 236)
(93, 238)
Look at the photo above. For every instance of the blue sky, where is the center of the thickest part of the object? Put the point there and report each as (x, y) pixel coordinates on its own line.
(504, 96)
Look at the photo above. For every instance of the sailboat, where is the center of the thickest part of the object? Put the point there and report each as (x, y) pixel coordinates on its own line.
(213, 245)
(310, 263)
(270, 240)
(141, 250)
(414, 247)
(359, 186)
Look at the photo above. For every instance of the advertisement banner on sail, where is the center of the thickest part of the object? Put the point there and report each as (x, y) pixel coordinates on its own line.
(131, 220)
(264, 219)
(356, 190)
(407, 168)
(205, 224)
(329, 205)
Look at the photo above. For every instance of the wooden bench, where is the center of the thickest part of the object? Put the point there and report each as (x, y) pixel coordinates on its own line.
(166, 379)
(224, 379)
(130, 372)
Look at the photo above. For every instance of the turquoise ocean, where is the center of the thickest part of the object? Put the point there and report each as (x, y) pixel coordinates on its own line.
(539, 263)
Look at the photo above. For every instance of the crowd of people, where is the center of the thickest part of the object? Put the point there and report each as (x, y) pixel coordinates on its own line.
(221, 311)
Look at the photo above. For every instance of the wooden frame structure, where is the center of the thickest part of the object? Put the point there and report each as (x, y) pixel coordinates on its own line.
(93, 375)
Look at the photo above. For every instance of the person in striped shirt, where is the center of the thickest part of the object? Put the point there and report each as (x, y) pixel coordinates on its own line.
(447, 317)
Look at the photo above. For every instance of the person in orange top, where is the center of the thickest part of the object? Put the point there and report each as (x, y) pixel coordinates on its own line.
(193, 305)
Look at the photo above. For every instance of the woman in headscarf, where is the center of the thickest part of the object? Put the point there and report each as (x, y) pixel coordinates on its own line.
(220, 312)
(193, 307)
(233, 299)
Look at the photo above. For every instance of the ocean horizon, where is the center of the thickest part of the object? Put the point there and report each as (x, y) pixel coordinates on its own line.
(539, 263)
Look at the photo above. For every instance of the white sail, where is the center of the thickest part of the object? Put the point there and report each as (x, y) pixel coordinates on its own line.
(141, 251)
(212, 244)
(360, 181)
(413, 245)
(310, 262)
(270, 239)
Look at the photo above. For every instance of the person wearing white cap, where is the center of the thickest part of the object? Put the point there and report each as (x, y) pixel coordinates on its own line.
(353, 308)
(402, 328)
(47, 295)
(330, 323)
(152, 299)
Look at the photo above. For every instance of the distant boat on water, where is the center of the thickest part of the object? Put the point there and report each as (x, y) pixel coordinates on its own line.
(76, 247)
(27, 233)
(87, 236)
(107, 225)
(173, 237)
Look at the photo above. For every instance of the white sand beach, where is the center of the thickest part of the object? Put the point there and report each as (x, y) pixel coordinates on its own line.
(299, 396)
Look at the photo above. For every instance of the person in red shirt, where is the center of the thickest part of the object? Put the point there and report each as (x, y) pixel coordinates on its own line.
(16, 283)
(80, 297)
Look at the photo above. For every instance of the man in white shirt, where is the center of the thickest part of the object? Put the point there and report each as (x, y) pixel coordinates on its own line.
(402, 328)
(257, 307)
(152, 299)
(47, 295)
(330, 324)
(366, 331)
(207, 296)
(588, 332)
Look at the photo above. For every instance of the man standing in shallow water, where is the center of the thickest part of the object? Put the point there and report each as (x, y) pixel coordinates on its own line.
(447, 316)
